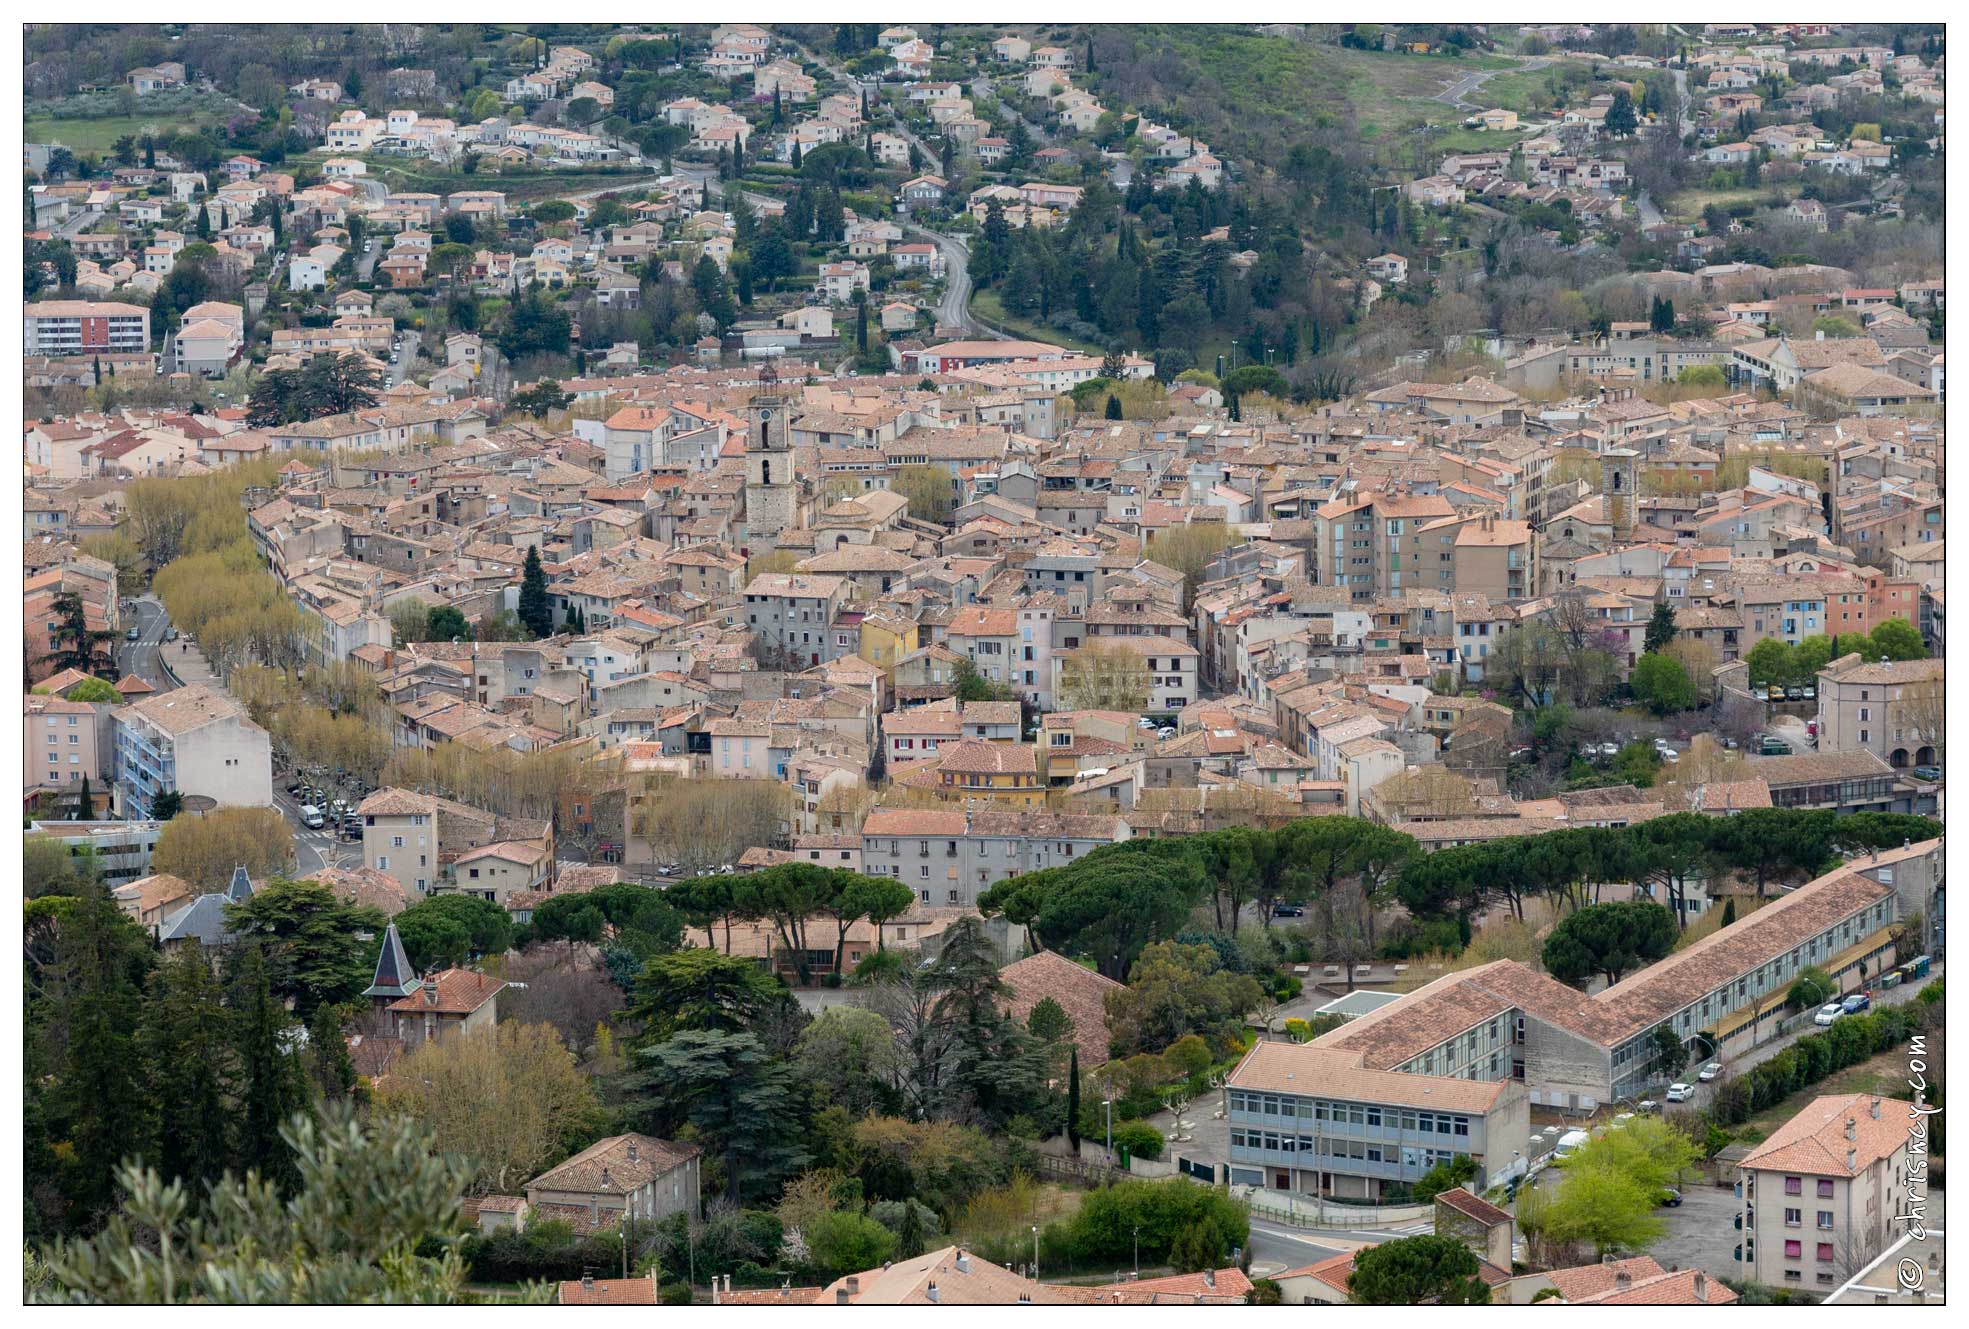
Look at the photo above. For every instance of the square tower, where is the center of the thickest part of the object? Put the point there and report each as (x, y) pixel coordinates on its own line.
(771, 491)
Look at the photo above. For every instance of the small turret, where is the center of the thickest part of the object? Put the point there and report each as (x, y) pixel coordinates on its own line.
(394, 976)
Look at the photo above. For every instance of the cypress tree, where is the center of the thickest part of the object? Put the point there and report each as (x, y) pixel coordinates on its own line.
(1729, 911)
(97, 1105)
(1073, 1100)
(271, 1085)
(189, 1070)
(85, 809)
(1114, 407)
(535, 612)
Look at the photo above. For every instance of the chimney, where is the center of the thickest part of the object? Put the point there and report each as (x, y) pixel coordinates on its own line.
(431, 991)
(1852, 1129)
(1873, 1108)
(963, 1261)
(1210, 1278)
(841, 1296)
(931, 1293)
(632, 1151)
(854, 1285)
(605, 1180)
(1701, 1286)
(1852, 1160)
(1622, 1280)
(587, 1280)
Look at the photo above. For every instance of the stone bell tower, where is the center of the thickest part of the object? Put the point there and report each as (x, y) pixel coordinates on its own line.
(1619, 468)
(771, 490)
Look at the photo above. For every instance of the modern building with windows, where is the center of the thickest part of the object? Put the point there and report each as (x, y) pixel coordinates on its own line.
(949, 857)
(1820, 1195)
(1721, 995)
(191, 740)
(1314, 1120)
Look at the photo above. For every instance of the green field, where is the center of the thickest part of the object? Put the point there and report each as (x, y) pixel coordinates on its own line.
(986, 305)
(413, 175)
(1688, 205)
(93, 136)
(1255, 97)
(1515, 91)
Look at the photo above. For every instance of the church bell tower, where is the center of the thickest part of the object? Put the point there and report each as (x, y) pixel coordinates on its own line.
(770, 487)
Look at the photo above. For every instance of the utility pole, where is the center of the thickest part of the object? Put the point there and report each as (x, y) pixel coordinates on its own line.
(1035, 1252)
(1108, 1104)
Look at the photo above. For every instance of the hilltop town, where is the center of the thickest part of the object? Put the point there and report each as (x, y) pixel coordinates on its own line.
(910, 664)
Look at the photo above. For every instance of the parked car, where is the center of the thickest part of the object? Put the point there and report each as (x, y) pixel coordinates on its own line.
(1289, 911)
(1774, 693)
(1670, 754)
(1773, 746)
(1927, 772)
(1856, 1003)
(1681, 1093)
(134, 634)
(1811, 692)
(1167, 731)
(1710, 1072)
(1570, 1142)
(170, 634)
(1829, 1012)
(1609, 749)
(1671, 1197)
(1794, 694)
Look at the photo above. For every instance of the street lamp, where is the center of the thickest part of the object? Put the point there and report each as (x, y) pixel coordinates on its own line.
(1138, 1251)
(1035, 1252)
(1108, 1104)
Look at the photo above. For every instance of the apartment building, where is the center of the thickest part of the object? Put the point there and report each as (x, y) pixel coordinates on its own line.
(1313, 1120)
(1373, 544)
(791, 615)
(59, 748)
(1821, 1194)
(85, 327)
(1890, 708)
(192, 740)
(948, 857)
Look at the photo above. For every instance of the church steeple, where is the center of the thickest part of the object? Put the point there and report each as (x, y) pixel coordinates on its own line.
(394, 976)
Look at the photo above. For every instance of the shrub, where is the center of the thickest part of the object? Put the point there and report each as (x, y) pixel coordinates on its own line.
(1102, 1230)
(1139, 1138)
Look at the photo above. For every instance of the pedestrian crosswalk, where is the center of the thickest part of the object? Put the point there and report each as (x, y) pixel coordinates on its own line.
(1413, 1229)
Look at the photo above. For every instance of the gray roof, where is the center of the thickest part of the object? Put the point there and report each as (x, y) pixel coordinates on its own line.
(394, 976)
(202, 921)
(239, 887)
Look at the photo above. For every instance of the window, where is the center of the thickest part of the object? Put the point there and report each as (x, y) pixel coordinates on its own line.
(1794, 1250)
(1825, 1188)
(1792, 1185)
(1825, 1252)
(1825, 1220)
(1794, 1217)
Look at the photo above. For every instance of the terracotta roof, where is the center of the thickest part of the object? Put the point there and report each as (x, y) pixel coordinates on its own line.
(1081, 992)
(460, 992)
(609, 1292)
(770, 1296)
(1815, 1140)
(1472, 1206)
(1308, 1068)
(1590, 1280)
(1683, 1287)
(584, 1173)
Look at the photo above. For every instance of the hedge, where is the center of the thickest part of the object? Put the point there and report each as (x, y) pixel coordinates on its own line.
(1846, 1042)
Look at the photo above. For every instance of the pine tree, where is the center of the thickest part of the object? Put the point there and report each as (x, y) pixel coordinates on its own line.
(271, 1085)
(535, 612)
(1073, 1100)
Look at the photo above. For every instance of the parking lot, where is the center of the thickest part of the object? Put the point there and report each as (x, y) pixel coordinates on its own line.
(1697, 1233)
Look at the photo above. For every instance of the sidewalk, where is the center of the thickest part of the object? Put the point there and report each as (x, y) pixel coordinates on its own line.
(184, 665)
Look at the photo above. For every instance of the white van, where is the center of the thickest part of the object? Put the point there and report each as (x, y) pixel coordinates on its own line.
(311, 817)
(1569, 1143)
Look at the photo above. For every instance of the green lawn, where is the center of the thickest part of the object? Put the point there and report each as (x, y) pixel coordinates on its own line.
(524, 186)
(1515, 91)
(986, 305)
